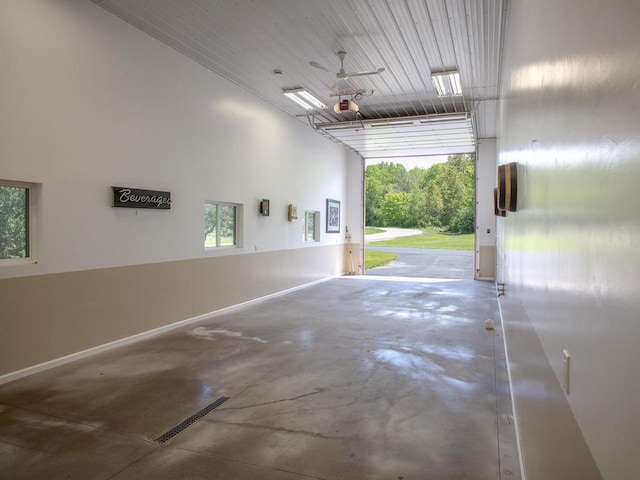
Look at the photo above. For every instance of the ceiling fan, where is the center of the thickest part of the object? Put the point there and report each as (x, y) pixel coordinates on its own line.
(342, 75)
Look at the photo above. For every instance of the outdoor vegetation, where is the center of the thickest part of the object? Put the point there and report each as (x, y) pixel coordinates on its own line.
(372, 230)
(376, 258)
(441, 196)
(220, 224)
(14, 204)
(430, 238)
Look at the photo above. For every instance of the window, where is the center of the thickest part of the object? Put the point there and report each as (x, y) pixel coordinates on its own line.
(311, 227)
(221, 224)
(16, 221)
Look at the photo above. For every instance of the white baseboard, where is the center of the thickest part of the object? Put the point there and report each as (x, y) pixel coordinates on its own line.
(9, 377)
(513, 400)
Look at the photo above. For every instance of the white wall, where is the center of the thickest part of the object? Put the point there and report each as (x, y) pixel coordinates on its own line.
(87, 102)
(570, 117)
(486, 161)
(355, 212)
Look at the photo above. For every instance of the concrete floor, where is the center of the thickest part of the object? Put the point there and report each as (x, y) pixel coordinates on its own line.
(353, 378)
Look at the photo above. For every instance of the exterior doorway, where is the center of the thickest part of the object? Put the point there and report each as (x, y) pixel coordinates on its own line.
(420, 217)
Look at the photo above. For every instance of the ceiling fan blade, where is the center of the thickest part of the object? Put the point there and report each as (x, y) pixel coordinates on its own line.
(361, 74)
(321, 67)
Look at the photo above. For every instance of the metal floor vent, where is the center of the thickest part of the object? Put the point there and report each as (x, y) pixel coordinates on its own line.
(190, 421)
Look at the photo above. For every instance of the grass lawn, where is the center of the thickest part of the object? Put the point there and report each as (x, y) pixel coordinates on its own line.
(210, 241)
(375, 258)
(372, 230)
(431, 238)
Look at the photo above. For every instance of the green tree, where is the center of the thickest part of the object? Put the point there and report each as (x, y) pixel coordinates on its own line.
(417, 211)
(464, 221)
(452, 188)
(220, 224)
(395, 209)
(434, 204)
(435, 173)
(442, 195)
(381, 179)
(400, 177)
(414, 178)
(227, 224)
(425, 206)
(210, 219)
(375, 195)
(14, 208)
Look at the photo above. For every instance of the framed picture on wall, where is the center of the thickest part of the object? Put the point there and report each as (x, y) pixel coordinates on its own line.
(333, 216)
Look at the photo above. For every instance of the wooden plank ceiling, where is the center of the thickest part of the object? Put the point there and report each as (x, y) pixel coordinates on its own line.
(266, 47)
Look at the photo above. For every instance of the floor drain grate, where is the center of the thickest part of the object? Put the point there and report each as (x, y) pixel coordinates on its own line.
(190, 421)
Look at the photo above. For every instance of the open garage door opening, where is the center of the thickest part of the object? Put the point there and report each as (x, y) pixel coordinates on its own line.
(420, 216)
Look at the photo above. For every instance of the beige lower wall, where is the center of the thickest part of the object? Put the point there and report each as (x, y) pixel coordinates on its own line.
(487, 262)
(552, 444)
(47, 317)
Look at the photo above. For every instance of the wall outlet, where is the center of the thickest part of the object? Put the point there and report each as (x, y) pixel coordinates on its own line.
(566, 377)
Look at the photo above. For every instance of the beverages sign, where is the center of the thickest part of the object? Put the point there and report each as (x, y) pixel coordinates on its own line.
(135, 198)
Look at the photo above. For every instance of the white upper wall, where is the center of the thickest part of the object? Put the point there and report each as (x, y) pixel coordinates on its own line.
(87, 101)
(570, 117)
(485, 182)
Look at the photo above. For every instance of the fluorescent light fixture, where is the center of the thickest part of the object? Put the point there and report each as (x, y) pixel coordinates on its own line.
(298, 100)
(311, 99)
(304, 98)
(447, 83)
(438, 82)
(456, 86)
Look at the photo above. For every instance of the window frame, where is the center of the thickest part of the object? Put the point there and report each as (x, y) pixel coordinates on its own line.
(316, 226)
(237, 230)
(33, 195)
